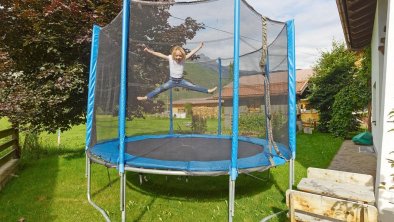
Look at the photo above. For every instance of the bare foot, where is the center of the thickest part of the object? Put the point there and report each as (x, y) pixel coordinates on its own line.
(140, 98)
(212, 90)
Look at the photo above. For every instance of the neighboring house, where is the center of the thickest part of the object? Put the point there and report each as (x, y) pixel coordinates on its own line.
(251, 92)
(251, 96)
(205, 107)
(308, 116)
(371, 23)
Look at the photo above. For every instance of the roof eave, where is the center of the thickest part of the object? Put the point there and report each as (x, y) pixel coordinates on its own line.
(357, 21)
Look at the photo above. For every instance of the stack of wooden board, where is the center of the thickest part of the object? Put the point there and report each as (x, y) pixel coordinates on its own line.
(330, 195)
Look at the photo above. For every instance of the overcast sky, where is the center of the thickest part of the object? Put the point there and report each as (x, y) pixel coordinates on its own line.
(317, 23)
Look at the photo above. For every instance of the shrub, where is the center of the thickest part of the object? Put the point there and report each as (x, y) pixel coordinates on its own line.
(252, 124)
(199, 124)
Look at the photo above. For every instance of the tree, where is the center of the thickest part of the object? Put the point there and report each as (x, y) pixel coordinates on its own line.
(353, 98)
(334, 71)
(341, 88)
(46, 44)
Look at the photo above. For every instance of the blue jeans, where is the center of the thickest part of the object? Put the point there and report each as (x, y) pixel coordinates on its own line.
(176, 83)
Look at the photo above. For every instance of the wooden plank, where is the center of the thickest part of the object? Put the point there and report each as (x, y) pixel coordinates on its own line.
(330, 207)
(303, 217)
(7, 170)
(291, 208)
(7, 144)
(338, 190)
(7, 132)
(10, 155)
(341, 176)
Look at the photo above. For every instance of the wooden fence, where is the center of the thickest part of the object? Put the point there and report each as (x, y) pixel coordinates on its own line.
(9, 154)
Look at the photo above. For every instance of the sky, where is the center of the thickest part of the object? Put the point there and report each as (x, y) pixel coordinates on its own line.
(317, 24)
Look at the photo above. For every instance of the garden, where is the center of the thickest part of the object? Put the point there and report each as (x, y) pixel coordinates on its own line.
(51, 185)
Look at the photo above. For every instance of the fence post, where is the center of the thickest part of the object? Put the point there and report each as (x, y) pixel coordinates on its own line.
(15, 136)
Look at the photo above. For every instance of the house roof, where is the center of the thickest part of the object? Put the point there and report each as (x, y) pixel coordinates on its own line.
(196, 101)
(253, 85)
(357, 18)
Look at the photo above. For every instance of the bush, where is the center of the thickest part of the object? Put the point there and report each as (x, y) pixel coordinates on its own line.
(199, 124)
(252, 124)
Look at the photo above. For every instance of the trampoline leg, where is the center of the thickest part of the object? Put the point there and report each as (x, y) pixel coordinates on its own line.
(86, 165)
(88, 171)
(291, 174)
(123, 196)
(140, 175)
(231, 200)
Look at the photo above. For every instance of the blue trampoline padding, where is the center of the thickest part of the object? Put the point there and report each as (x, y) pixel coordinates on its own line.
(108, 151)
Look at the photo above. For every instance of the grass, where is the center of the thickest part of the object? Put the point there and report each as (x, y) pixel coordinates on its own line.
(53, 187)
(4, 124)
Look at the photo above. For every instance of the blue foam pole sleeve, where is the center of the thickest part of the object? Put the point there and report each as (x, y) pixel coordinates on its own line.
(92, 83)
(234, 145)
(123, 84)
(292, 86)
(220, 97)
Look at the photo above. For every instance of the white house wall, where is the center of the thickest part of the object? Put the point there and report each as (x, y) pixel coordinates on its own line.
(383, 103)
(376, 82)
(377, 70)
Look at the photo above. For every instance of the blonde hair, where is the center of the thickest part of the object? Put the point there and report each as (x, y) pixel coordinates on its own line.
(180, 49)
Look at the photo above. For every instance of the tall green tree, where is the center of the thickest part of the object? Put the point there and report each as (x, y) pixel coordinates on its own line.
(334, 70)
(341, 89)
(46, 44)
(353, 99)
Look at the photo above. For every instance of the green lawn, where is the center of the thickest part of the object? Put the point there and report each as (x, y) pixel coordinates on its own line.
(53, 187)
(4, 124)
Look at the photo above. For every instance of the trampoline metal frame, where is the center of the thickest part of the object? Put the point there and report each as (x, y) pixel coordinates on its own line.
(168, 172)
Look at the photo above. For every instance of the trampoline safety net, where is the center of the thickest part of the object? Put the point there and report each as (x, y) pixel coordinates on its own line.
(160, 27)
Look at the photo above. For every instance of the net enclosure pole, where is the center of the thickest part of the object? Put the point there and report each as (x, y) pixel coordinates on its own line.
(91, 88)
(220, 97)
(171, 114)
(90, 112)
(123, 83)
(122, 103)
(234, 145)
(292, 95)
(92, 83)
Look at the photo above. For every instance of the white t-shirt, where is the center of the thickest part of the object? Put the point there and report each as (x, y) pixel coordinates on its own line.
(176, 69)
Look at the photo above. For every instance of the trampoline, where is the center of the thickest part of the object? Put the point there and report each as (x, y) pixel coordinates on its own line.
(188, 154)
(247, 125)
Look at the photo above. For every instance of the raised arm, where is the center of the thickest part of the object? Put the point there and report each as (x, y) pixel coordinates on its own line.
(158, 54)
(191, 53)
